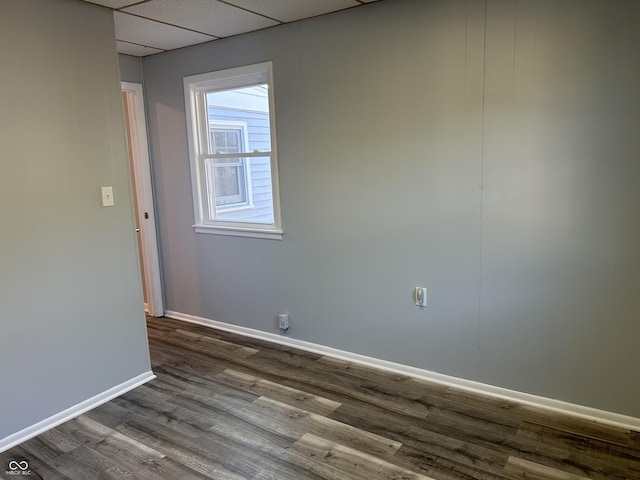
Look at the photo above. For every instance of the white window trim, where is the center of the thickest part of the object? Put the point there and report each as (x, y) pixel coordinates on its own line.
(195, 87)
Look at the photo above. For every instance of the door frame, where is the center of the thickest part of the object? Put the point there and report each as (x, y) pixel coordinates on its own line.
(141, 165)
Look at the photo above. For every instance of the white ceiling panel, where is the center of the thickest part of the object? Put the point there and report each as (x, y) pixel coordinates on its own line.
(152, 26)
(113, 3)
(153, 34)
(212, 17)
(135, 50)
(292, 10)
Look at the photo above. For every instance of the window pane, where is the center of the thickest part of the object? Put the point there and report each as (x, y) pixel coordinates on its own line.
(218, 141)
(248, 105)
(226, 183)
(226, 179)
(261, 210)
(237, 192)
(226, 140)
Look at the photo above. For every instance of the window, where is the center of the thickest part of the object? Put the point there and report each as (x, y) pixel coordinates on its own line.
(228, 175)
(232, 152)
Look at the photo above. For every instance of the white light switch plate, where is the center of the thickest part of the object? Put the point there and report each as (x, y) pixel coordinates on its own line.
(107, 196)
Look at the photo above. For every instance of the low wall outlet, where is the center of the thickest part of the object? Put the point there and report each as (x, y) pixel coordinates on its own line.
(283, 321)
(420, 295)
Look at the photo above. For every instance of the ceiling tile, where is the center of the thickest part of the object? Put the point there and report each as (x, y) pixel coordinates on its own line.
(208, 16)
(135, 50)
(153, 34)
(113, 3)
(291, 10)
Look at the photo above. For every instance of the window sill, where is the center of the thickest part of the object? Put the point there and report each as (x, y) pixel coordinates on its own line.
(239, 232)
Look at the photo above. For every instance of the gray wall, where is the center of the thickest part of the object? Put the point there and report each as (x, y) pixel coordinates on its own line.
(72, 321)
(130, 68)
(501, 175)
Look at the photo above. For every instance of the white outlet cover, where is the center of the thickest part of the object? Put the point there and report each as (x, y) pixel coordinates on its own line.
(421, 296)
(107, 196)
(283, 321)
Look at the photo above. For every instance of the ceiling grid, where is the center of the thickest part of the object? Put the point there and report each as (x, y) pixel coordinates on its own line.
(152, 26)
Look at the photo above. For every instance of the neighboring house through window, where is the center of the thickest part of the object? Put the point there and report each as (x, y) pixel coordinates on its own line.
(232, 151)
(230, 175)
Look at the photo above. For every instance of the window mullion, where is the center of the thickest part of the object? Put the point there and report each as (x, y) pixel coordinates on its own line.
(238, 154)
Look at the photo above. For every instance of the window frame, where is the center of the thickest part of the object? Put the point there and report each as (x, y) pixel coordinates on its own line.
(195, 89)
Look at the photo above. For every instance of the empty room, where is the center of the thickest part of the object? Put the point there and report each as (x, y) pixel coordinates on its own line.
(320, 239)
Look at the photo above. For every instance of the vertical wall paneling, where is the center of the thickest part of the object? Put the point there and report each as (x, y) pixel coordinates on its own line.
(486, 150)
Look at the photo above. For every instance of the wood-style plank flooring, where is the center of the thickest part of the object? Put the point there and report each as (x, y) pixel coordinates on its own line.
(231, 407)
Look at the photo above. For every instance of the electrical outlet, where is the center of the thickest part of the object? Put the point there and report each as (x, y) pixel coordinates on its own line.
(420, 295)
(283, 321)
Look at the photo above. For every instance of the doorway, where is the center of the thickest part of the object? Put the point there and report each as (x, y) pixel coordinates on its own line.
(136, 126)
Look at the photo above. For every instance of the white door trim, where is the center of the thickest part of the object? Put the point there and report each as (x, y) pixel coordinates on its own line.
(144, 199)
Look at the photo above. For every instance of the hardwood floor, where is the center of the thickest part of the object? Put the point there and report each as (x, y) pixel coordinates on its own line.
(230, 407)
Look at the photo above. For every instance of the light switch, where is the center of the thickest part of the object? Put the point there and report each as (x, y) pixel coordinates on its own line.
(107, 196)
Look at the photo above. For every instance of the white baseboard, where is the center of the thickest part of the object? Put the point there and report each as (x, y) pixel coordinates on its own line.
(74, 411)
(588, 413)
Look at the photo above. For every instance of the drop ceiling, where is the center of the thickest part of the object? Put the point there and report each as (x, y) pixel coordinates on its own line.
(153, 26)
